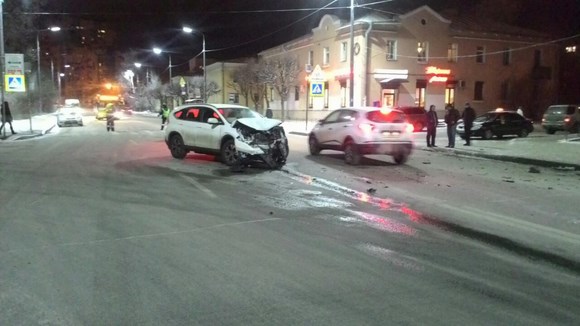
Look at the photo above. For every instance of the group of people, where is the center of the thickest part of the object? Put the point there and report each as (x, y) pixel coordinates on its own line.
(452, 116)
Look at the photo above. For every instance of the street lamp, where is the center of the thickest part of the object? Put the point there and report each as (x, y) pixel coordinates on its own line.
(60, 75)
(51, 29)
(159, 51)
(189, 30)
(351, 90)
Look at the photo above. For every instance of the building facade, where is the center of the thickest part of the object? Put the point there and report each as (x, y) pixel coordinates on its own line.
(418, 59)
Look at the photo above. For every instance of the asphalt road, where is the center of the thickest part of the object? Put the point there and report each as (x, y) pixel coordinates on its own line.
(102, 228)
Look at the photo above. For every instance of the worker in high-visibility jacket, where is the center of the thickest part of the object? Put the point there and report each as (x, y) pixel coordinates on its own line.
(164, 114)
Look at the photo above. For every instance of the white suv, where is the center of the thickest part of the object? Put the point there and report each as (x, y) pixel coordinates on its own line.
(234, 133)
(364, 130)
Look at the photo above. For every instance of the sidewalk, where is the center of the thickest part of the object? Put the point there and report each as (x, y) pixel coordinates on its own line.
(41, 124)
(558, 151)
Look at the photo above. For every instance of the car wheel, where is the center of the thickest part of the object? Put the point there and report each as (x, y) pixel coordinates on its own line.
(523, 133)
(487, 134)
(418, 126)
(550, 131)
(351, 154)
(313, 145)
(177, 147)
(228, 152)
(400, 157)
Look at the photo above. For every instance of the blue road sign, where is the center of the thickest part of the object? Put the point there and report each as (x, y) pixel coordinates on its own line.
(316, 89)
(15, 83)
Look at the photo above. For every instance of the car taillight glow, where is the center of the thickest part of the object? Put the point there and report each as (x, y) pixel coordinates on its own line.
(367, 128)
(567, 119)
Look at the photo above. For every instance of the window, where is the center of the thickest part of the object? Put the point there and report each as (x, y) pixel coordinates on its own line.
(326, 56)
(347, 116)
(191, 114)
(422, 52)
(310, 57)
(421, 86)
(537, 58)
(296, 93)
(343, 93)
(478, 91)
(326, 95)
(449, 94)
(333, 117)
(505, 90)
(480, 54)
(507, 56)
(452, 52)
(343, 51)
(391, 50)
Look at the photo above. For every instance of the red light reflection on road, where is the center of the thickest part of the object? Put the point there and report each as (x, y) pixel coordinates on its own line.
(385, 224)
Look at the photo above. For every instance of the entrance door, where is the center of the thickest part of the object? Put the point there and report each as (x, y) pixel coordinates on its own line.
(388, 98)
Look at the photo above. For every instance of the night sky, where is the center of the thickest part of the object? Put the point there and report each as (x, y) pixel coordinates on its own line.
(235, 28)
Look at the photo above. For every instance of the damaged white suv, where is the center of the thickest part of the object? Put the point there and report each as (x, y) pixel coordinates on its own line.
(234, 133)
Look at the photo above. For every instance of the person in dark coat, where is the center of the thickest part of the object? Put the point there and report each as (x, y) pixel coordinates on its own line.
(468, 116)
(432, 122)
(451, 118)
(6, 117)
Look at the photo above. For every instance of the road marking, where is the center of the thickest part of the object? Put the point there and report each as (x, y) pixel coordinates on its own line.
(199, 186)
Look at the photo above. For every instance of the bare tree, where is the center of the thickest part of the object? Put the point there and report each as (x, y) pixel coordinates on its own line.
(242, 81)
(281, 73)
(196, 83)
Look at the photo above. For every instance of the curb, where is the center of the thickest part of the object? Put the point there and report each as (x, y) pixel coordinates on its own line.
(503, 158)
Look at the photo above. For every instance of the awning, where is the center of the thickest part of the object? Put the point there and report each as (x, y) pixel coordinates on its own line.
(394, 80)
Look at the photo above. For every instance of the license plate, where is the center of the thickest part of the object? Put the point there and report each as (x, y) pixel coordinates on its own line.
(391, 134)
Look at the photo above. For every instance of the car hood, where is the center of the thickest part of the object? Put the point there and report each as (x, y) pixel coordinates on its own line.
(259, 124)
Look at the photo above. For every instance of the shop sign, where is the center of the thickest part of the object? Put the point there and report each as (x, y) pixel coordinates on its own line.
(437, 75)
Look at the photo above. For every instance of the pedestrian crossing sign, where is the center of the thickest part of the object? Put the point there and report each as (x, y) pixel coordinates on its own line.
(317, 89)
(15, 83)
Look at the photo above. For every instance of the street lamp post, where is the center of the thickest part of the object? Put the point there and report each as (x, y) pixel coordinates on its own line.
(351, 90)
(158, 51)
(52, 29)
(189, 30)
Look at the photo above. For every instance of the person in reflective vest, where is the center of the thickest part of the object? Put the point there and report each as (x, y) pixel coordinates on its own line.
(164, 114)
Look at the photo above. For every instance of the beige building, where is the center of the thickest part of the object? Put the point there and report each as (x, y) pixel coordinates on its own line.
(418, 59)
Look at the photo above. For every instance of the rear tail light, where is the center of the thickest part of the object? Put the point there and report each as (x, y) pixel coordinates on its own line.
(367, 128)
(409, 128)
(567, 119)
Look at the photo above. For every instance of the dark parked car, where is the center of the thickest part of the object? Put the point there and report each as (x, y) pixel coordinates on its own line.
(498, 123)
(562, 117)
(416, 115)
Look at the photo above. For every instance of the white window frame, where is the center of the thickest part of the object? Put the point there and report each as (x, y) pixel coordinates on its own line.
(326, 56)
(343, 51)
(425, 57)
(453, 52)
(391, 50)
(311, 57)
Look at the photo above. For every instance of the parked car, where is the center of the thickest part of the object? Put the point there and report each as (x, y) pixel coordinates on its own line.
(234, 133)
(363, 130)
(416, 115)
(68, 116)
(498, 123)
(562, 117)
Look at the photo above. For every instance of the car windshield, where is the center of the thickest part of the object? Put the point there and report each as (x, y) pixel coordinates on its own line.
(485, 117)
(233, 113)
(560, 109)
(386, 117)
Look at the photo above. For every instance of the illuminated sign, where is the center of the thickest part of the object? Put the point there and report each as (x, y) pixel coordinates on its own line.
(438, 75)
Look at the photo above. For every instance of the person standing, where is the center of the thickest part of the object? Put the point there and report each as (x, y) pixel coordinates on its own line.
(468, 116)
(451, 118)
(164, 113)
(6, 117)
(432, 122)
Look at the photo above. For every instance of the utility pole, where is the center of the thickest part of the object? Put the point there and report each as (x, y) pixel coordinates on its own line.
(351, 89)
(2, 61)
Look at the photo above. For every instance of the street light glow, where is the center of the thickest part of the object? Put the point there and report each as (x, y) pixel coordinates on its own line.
(138, 64)
(157, 50)
(54, 28)
(187, 29)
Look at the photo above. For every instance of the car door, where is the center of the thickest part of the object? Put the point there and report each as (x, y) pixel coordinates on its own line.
(209, 135)
(516, 124)
(190, 120)
(345, 126)
(326, 134)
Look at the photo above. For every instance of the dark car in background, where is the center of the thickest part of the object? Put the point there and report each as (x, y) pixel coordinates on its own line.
(416, 115)
(498, 123)
(564, 117)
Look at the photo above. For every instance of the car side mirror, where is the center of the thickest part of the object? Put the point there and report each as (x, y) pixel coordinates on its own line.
(213, 121)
